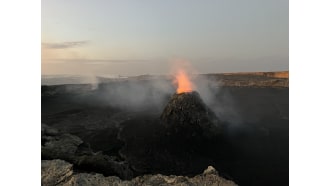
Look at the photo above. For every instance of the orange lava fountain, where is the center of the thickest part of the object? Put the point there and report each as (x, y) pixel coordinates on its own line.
(183, 82)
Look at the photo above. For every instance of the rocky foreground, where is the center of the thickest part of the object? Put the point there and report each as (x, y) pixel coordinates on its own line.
(59, 172)
(68, 161)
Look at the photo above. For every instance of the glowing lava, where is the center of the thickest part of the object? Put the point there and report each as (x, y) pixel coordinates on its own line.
(183, 82)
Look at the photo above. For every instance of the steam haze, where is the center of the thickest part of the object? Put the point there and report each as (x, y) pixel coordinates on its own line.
(139, 95)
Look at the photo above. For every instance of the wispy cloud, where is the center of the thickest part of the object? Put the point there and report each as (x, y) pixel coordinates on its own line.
(64, 45)
(98, 61)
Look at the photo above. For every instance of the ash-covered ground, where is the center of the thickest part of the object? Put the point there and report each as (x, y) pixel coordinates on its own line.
(117, 128)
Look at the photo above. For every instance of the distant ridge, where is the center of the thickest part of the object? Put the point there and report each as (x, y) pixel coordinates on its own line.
(237, 79)
(279, 74)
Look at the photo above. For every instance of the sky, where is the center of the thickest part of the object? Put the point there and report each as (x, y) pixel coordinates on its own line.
(122, 37)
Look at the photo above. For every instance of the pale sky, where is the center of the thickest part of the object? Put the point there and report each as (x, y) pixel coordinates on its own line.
(105, 37)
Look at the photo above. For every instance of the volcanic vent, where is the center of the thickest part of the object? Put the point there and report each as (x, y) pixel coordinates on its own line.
(186, 112)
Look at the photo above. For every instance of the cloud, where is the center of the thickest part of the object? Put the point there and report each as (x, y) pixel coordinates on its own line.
(97, 61)
(64, 45)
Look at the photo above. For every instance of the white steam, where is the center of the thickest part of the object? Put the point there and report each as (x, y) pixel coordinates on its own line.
(218, 99)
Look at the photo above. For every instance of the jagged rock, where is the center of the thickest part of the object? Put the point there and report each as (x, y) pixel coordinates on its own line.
(93, 180)
(58, 172)
(55, 172)
(72, 149)
(210, 170)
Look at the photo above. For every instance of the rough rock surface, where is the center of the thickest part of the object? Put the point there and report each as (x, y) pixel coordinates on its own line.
(187, 111)
(59, 172)
(56, 145)
(54, 172)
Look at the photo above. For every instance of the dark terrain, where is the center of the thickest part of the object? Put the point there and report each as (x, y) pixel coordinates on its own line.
(123, 120)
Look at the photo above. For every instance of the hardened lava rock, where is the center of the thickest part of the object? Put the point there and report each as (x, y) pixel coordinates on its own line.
(186, 112)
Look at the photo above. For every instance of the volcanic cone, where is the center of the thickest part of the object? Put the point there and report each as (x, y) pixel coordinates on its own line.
(187, 112)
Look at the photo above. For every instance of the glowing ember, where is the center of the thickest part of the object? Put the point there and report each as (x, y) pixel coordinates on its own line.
(183, 82)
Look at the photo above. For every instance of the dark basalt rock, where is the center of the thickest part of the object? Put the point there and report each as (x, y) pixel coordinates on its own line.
(186, 113)
(55, 144)
(68, 147)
